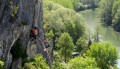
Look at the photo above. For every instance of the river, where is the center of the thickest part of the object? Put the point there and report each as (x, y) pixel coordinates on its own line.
(92, 23)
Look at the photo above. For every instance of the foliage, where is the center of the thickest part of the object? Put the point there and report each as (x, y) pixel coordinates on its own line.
(29, 66)
(65, 43)
(83, 63)
(50, 34)
(75, 29)
(65, 3)
(95, 3)
(53, 21)
(1, 64)
(37, 63)
(110, 13)
(14, 11)
(90, 3)
(70, 28)
(106, 11)
(79, 27)
(116, 15)
(116, 7)
(104, 53)
(60, 19)
(81, 44)
(58, 65)
(78, 5)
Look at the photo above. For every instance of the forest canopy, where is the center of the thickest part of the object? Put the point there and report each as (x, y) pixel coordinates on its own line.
(60, 19)
(66, 30)
(110, 12)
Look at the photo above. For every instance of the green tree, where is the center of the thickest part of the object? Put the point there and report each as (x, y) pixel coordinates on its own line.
(116, 15)
(90, 3)
(104, 53)
(74, 26)
(116, 7)
(106, 11)
(80, 44)
(83, 63)
(70, 28)
(65, 43)
(79, 26)
(37, 63)
(65, 3)
(29, 66)
(59, 19)
(78, 5)
(58, 65)
(53, 21)
(1, 64)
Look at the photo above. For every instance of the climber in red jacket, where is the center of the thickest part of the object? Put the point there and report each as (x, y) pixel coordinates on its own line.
(34, 33)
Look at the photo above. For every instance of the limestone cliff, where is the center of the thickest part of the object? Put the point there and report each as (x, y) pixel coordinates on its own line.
(16, 19)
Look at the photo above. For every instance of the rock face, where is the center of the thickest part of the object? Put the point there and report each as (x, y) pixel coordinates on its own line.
(16, 20)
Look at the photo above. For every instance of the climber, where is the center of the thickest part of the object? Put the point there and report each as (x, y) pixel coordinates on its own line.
(46, 46)
(34, 33)
(46, 43)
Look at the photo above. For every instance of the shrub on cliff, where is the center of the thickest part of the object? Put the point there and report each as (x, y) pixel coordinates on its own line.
(37, 63)
(1, 64)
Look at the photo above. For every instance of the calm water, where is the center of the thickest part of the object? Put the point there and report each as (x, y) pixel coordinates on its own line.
(106, 34)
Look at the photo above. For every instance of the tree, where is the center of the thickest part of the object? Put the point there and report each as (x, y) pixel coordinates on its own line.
(79, 27)
(29, 66)
(59, 19)
(1, 64)
(90, 3)
(78, 5)
(53, 21)
(65, 43)
(65, 3)
(104, 53)
(116, 15)
(116, 7)
(70, 28)
(37, 63)
(58, 65)
(106, 11)
(81, 44)
(83, 63)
